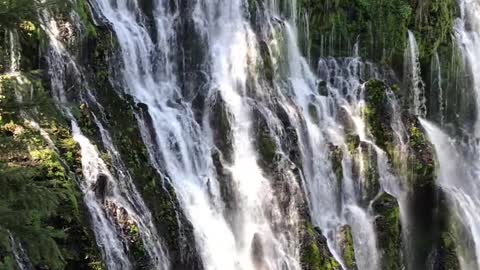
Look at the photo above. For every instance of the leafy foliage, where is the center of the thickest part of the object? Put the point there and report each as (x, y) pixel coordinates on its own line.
(14, 12)
(39, 202)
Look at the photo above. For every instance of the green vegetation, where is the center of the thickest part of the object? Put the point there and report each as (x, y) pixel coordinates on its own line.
(156, 191)
(39, 203)
(315, 254)
(346, 246)
(387, 223)
(15, 12)
(83, 12)
(377, 114)
(379, 26)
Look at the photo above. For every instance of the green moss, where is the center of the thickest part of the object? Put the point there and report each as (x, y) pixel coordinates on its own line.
(312, 257)
(315, 254)
(41, 204)
(353, 142)
(421, 157)
(120, 119)
(388, 226)
(447, 248)
(379, 26)
(346, 246)
(377, 114)
(83, 12)
(268, 66)
(433, 22)
(267, 148)
(336, 156)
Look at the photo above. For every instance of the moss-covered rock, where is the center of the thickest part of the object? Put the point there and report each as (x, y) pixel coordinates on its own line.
(315, 254)
(345, 242)
(221, 119)
(377, 113)
(380, 27)
(389, 231)
(120, 113)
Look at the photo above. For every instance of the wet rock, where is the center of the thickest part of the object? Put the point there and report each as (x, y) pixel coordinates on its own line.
(143, 106)
(265, 141)
(268, 69)
(345, 242)
(378, 113)
(227, 186)
(130, 234)
(322, 88)
(315, 254)
(257, 251)
(313, 112)
(343, 116)
(389, 231)
(370, 186)
(220, 121)
(101, 187)
(450, 232)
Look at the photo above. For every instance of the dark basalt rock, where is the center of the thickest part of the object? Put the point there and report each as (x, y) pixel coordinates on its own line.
(257, 251)
(220, 120)
(101, 187)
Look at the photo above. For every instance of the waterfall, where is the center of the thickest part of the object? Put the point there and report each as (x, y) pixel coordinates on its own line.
(95, 169)
(14, 51)
(251, 77)
(250, 229)
(234, 52)
(414, 86)
(458, 157)
(184, 154)
(458, 177)
(467, 34)
(319, 175)
(204, 136)
(437, 93)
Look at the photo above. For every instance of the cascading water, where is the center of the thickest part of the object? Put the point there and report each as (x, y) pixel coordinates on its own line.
(14, 52)
(458, 156)
(255, 157)
(342, 81)
(105, 232)
(414, 83)
(113, 202)
(458, 177)
(437, 96)
(319, 176)
(467, 33)
(181, 147)
(184, 150)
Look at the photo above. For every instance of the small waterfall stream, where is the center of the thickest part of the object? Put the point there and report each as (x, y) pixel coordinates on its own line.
(113, 202)
(21, 259)
(413, 77)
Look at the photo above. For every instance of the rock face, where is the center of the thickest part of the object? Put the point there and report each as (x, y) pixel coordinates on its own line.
(345, 242)
(389, 230)
(315, 254)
